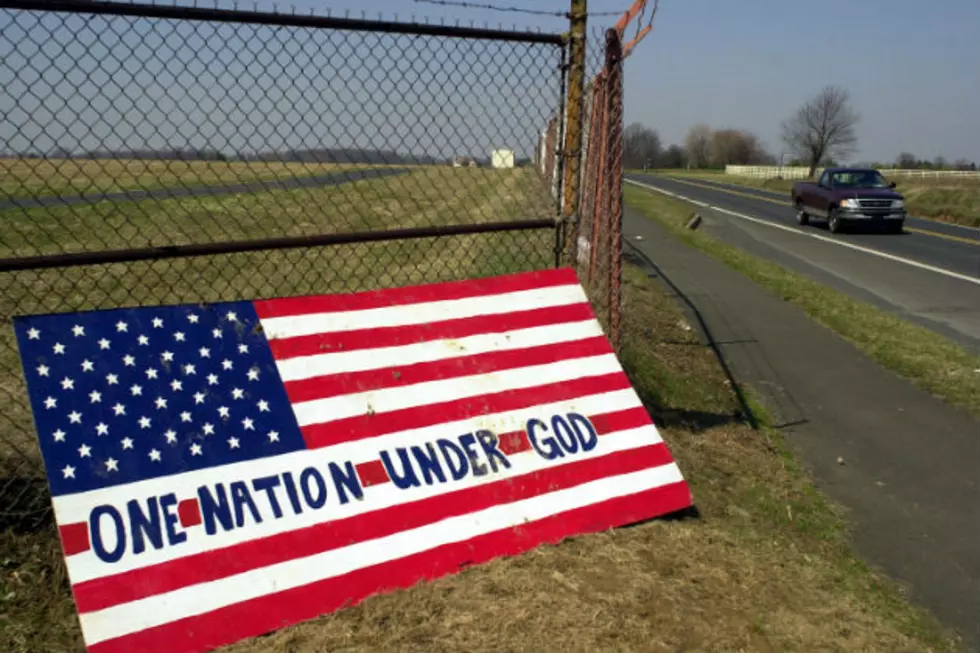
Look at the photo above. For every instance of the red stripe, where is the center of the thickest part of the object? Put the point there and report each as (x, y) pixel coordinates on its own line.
(332, 385)
(211, 565)
(372, 473)
(370, 425)
(328, 343)
(514, 442)
(414, 294)
(74, 538)
(189, 512)
(261, 615)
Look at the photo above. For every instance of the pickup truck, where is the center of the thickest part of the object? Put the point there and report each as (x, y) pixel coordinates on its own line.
(847, 196)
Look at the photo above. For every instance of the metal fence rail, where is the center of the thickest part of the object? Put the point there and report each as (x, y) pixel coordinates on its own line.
(155, 154)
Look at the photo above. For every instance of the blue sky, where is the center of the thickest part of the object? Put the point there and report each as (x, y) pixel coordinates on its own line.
(912, 67)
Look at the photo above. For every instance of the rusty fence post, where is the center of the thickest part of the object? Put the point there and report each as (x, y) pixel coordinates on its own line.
(571, 144)
(614, 105)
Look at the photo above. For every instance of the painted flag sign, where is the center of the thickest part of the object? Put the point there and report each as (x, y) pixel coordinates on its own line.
(221, 471)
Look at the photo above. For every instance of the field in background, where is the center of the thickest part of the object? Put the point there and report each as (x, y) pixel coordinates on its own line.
(952, 199)
(25, 178)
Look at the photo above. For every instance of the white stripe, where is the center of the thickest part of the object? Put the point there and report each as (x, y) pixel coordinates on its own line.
(86, 566)
(319, 411)
(305, 367)
(186, 602)
(832, 241)
(276, 328)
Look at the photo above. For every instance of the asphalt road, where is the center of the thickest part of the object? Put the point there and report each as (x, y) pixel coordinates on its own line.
(902, 463)
(929, 275)
(211, 190)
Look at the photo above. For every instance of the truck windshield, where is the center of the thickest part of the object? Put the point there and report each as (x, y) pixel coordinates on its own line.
(859, 179)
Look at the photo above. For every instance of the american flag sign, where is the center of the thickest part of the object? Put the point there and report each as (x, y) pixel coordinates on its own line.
(220, 471)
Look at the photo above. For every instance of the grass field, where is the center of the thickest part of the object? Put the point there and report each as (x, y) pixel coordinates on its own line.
(24, 178)
(953, 199)
(935, 363)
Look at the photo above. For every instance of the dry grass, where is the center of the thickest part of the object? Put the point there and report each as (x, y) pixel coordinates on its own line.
(23, 178)
(949, 199)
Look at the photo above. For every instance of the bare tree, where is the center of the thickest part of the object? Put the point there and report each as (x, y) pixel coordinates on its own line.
(641, 146)
(906, 161)
(736, 147)
(697, 145)
(822, 128)
(940, 163)
(673, 157)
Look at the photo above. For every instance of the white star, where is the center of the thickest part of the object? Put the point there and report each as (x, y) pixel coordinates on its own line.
(59, 436)
(67, 384)
(273, 436)
(50, 403)
(223, 411)
(247, 424)
(192, 318)
(231, 316)
(185, 416)
(167, 356)
(85, 451)
(75, 417)
(112, 465)
(171, 436)
(216, 333)
(205, 352)
(161, 402)
(33, 334)
(59, 348)
(68, 472)
(242, 349)
(253, 374)
(237, 393)
(195, 449)
(95, 397)
(78, 330)
(43, 370)
(144, 422)
(179, 336)
(151, 373)
(87, 366)
(198, 397)
(263, 406)
(136, 390)
(122, 327)
(190, 369)
(233, 442)
(208, 429)
(119, 409)
(154, 455)
(143, 340)
(212, 379)
(157, 323)
(101, 429)
(176, 385)
(127, 443)
(128, 360)
(226, 364)
(104, 344)
(111, 379)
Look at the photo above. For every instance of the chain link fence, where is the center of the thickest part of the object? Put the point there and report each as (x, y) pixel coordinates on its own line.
(155, 154)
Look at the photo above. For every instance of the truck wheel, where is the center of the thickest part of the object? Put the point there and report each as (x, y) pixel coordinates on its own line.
(801, 216)
(834, 222)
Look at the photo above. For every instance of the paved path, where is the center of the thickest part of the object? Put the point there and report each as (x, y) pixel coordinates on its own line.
(902, 274)
(171, 192)
(910, 478)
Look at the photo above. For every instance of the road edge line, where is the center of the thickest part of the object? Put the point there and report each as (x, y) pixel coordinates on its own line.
(866, 250)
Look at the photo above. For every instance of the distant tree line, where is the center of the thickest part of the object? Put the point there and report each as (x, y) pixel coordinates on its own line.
(703, 147)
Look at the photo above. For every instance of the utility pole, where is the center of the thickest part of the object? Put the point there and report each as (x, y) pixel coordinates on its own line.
(572, 147)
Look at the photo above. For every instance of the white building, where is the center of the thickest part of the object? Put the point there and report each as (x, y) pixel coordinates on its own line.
(502, 159)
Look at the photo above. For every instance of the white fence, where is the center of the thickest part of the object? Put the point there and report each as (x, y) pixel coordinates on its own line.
(800, 172)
